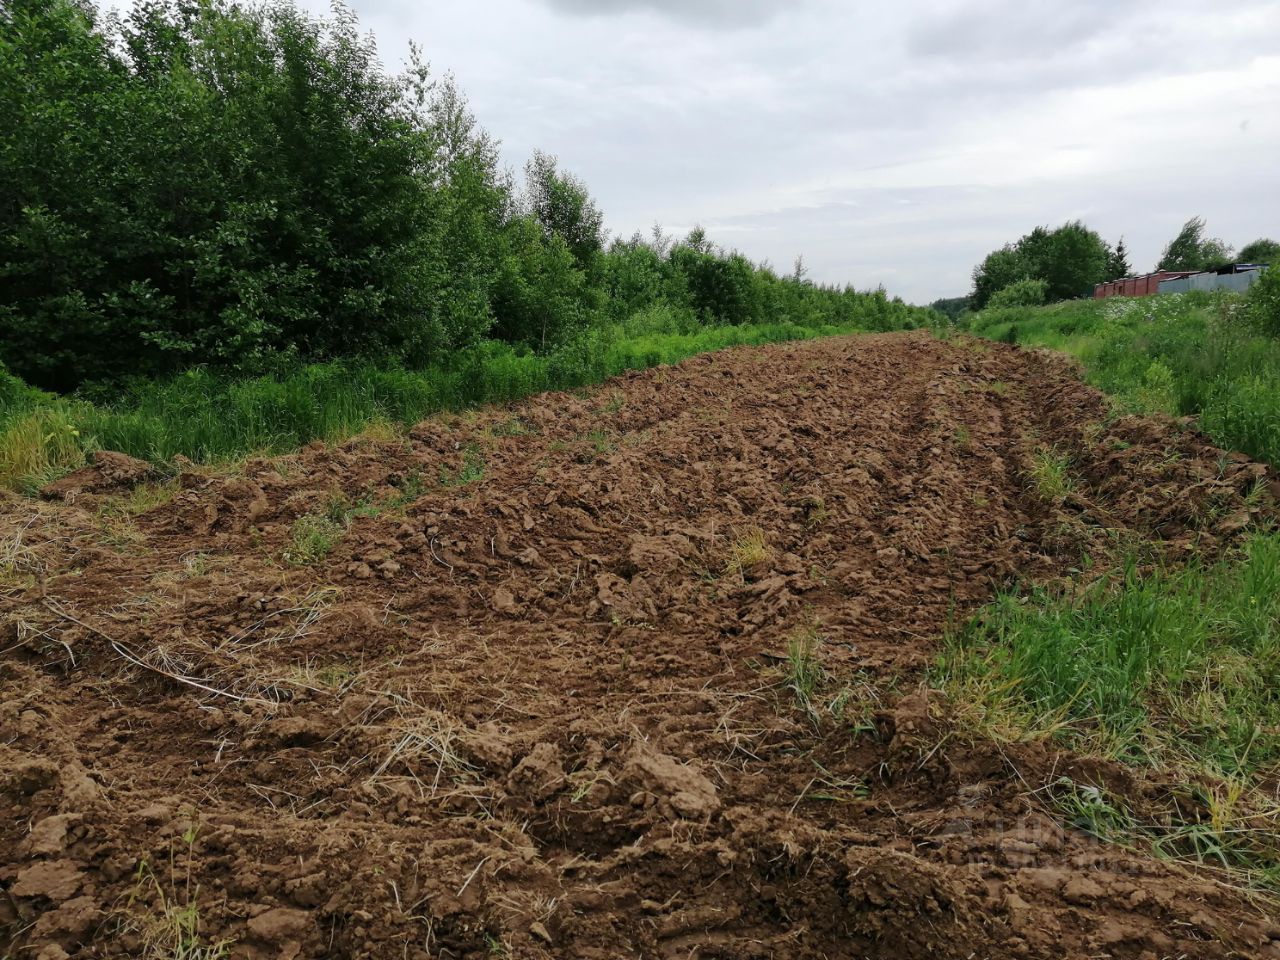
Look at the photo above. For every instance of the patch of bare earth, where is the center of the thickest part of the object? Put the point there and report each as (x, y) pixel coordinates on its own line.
(635, 672)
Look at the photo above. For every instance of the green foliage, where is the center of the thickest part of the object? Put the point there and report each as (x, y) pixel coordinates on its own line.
(1182, 664)
(562, 207)
(1069, 259)
(1050, 474)
(953, 308)
(311, 538)
(1020, 293)
(998, 270)
(1264, 301)
(1191, 354)
(218, 183)
(1261, 250)
(1192, 250)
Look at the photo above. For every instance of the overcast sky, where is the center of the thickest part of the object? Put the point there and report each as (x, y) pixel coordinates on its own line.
(889, 143)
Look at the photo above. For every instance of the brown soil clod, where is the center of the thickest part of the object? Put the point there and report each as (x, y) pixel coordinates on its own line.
(577, 706)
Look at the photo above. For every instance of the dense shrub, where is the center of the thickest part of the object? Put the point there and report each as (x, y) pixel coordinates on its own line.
(245, 187)
(214, 183)
(1264, 301)
(1027, 292)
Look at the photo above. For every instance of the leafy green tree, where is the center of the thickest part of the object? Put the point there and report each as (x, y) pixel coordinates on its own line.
(1192, 250)
(720, 289)
(636, 274)
(1260, 251)
(542, 298)
(560, 203)
(214, 183)
(951, 307)
(1070, 259)
(997, 270)
(1263, 304)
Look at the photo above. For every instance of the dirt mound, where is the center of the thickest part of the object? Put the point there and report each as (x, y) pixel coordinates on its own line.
(107, 471)
(539, 681)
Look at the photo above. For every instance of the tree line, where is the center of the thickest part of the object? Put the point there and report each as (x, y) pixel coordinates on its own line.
(201, 182)
(1048, 265)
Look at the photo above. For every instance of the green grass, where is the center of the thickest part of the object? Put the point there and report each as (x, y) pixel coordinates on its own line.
(1050, 473)
(1178, 671)
(1182, 666)
(210, 418)
(803, 671)
(1178, 354)
(311, 538)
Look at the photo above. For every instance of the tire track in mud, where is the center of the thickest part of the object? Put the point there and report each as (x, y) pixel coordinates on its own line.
(546, 712)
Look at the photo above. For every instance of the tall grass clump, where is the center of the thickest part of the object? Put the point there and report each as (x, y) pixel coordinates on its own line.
(1181, 667)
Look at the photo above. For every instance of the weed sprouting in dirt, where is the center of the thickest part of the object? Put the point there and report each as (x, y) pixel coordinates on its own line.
(170, 929)
(408, 490)
(600, 441)
(1228, 827)
(833, 788)
(311, 538)
(1089, 808)
(1050, 474)
(471, 471)
(815, 510)
(803, 673)
(855, 704)
(140, 500)
(513, 427)
(748, 549)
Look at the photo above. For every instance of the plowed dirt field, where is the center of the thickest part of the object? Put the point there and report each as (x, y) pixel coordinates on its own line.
(632, 672)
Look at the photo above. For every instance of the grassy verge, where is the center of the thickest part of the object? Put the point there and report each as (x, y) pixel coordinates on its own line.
(1177, 671)
(1180, 354)
(1180, 668)
(209, 417)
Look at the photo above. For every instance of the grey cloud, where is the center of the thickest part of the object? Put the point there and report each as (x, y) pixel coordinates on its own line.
(708, 12)
(1001, 30)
